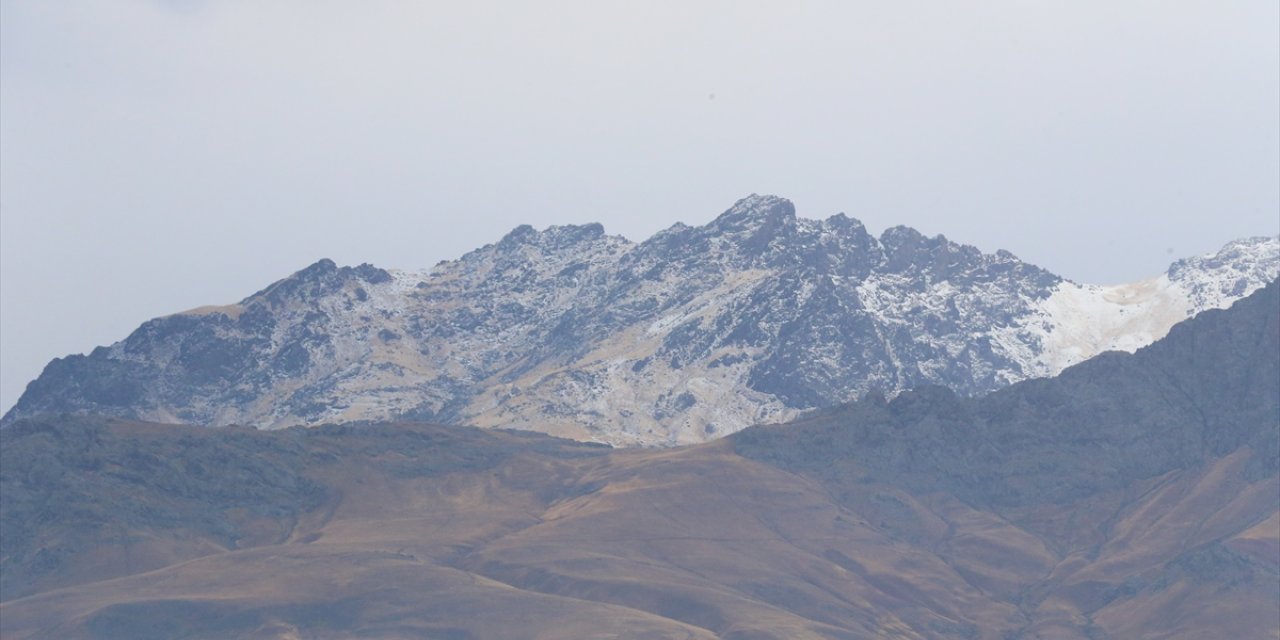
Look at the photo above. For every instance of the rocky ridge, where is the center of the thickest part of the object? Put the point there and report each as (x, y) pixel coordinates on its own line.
(692, 334)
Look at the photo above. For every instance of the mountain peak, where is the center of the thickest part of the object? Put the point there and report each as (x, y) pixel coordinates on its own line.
(1241, 266)
(753, 223)
(843, 223)
(1241, 255)
(320, 267)
(755, 210)
(519, 235)
(556, 236)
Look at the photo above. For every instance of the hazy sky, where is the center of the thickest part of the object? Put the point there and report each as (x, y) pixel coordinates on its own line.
(157, 156)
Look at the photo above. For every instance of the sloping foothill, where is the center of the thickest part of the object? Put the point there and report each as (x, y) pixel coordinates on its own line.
(1132, 496)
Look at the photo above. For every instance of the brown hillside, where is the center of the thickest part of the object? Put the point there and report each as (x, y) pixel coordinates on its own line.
(1132, 497)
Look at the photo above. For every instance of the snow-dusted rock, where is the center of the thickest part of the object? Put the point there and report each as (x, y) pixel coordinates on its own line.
(692, 334)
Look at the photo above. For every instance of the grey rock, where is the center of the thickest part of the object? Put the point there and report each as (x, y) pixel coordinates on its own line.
(756, 316)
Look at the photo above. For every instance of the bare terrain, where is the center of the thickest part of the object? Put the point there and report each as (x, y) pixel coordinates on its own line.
(1135, 496)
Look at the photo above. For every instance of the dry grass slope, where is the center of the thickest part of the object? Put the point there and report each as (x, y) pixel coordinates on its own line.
(1056, 509)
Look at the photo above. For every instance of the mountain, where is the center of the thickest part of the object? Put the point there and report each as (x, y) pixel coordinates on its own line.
(690, 335)
(1133, 496)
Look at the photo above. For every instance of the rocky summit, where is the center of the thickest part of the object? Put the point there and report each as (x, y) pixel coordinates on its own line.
(692, 334)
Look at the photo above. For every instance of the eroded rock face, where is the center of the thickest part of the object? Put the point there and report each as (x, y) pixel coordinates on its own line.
(692, 334)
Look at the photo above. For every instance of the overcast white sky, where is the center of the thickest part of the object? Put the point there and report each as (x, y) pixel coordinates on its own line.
(157, 156)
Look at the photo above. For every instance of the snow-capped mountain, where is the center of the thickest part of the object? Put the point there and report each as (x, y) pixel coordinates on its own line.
(694, 333)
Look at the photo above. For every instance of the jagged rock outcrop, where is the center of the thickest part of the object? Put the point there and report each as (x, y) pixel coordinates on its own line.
(694, 333)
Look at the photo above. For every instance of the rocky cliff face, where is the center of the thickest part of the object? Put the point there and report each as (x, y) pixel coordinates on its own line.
(692, 334)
